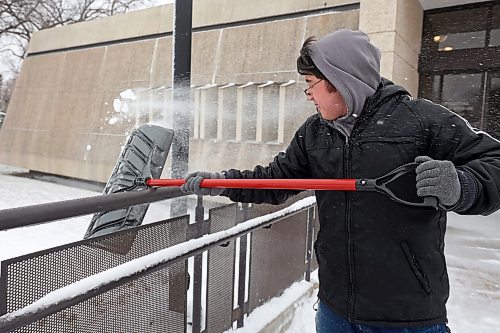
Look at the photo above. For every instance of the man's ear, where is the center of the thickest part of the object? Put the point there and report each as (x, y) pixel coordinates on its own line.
(330, 87)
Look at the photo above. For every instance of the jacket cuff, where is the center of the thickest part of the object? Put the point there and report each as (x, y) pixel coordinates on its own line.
(469, 192)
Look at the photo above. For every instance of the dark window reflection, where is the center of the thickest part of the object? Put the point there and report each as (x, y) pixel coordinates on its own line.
(462, 94)
(461, 41)
(458, 30)
(495, 27)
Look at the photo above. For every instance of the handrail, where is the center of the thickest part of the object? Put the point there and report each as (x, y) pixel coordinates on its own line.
(119, 275)
(35, 214)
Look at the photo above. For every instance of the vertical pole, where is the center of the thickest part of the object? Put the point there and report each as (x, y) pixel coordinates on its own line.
(197, 269)
(242, 273)
(181, 83)
(309, 242)
(3, 289)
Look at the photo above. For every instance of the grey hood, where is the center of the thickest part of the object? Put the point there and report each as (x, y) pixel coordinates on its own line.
(352, 64)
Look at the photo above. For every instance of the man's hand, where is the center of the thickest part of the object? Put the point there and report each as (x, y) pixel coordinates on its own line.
(438, 179)
(193, 181)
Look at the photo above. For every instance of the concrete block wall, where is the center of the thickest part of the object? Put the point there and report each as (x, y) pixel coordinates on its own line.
(395, 26)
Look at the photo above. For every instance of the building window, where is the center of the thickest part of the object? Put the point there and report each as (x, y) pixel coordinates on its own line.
(495, 27)
(448, 31)
(460, 62)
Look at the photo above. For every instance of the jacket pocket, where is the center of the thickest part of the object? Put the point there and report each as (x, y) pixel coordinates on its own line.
(416, 268)
(394, 139)
(374, 148)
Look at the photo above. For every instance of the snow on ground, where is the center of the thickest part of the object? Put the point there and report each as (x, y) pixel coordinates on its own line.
(472, 253)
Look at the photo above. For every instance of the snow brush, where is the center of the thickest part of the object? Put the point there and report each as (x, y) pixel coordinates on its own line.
(380, 185)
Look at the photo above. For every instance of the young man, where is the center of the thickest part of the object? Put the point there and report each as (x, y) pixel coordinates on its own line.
(381, 263)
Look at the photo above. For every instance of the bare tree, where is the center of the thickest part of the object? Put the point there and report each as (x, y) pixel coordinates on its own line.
(19, 19)
(6, 88)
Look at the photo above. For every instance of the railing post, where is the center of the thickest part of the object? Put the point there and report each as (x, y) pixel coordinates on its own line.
(242, 272)
(197, 268)
(3, 290)
(309, 242)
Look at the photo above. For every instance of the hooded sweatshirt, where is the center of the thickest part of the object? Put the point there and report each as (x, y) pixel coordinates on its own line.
(352, 64)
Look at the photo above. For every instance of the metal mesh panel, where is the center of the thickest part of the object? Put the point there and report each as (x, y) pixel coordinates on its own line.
(277, 258)
(220, 273)
(139, 306)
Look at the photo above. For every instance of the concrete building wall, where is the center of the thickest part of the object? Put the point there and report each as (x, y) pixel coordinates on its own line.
(63, 116)
(395, 27)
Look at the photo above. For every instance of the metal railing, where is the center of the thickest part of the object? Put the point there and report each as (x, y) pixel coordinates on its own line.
(93, 285)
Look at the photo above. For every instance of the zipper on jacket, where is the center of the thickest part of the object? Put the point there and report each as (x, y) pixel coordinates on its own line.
(350, 247)
(350, 259)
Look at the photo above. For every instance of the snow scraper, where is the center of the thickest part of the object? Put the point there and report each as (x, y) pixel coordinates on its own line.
(144, 155)
(386, 184)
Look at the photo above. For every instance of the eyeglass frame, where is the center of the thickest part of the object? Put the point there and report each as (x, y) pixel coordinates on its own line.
(306, 91)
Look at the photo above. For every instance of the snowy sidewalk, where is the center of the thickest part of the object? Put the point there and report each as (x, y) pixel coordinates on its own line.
(472, 252)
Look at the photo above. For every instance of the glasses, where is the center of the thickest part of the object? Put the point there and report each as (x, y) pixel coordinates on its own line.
(306, 91)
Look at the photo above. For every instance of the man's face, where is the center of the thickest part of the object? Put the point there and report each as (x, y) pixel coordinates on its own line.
(330, 104)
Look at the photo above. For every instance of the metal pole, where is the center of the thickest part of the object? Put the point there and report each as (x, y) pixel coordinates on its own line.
(29, 215)
(198, 269)
(242, 273)
(309, 242)
(181, 83)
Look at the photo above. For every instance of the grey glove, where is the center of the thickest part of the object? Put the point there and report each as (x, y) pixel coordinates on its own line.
(193, 181)
(438, 179)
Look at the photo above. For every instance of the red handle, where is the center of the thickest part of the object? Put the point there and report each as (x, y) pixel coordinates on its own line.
(270, 184)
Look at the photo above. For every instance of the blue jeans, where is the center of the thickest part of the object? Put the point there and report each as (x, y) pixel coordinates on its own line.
(329, 322)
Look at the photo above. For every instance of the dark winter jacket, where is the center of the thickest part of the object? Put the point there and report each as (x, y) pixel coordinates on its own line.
(382, 262)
